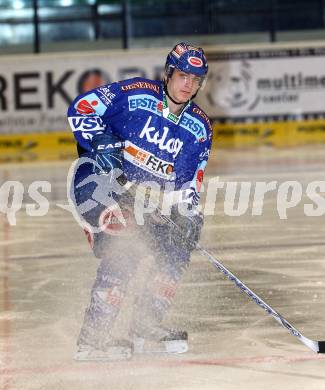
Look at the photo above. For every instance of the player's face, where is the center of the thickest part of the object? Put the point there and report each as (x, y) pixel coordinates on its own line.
(182, 86)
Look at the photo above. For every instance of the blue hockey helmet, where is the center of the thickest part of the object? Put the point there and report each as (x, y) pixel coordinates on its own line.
(188, 59)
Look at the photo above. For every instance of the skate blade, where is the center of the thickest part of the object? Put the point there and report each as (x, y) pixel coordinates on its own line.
(112, 354)
(142, 346)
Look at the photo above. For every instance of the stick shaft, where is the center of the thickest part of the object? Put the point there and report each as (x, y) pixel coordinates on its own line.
(314, 345)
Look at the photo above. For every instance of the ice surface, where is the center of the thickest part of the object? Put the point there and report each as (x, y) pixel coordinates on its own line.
(47, 269)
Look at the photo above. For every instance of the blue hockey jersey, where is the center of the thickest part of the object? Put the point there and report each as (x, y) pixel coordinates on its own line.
(159, 146)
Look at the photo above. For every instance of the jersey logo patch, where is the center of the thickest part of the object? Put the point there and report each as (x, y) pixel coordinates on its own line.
(141, 85)
(145, 102)
(171, 145)
(148, 161)
(90, 105)
(194, 126)
(198, 177)
(106, 95)
(80, 123)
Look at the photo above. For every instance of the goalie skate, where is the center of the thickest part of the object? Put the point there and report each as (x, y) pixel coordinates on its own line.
(161, 341)
(114, 351)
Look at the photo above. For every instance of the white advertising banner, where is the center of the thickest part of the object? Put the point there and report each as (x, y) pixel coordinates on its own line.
(35, 91)
(275, 83)
(244, 85)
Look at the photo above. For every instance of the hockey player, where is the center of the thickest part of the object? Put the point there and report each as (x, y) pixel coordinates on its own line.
(146, 131)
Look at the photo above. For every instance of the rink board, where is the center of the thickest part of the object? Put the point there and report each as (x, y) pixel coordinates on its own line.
(272, 133)
(55, 146)
(60, 145)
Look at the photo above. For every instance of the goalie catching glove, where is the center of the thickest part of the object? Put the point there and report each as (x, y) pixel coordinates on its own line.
(187, 229)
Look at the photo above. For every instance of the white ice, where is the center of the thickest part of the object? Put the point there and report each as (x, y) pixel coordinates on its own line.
(47, 269)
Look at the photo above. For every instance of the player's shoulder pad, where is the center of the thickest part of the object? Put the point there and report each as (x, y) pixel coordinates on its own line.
(138, 85)
(196, 112)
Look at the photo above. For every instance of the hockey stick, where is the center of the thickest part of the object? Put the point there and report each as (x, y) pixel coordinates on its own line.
(316, 346)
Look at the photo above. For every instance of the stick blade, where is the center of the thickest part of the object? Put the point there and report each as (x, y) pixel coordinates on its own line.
(321, 346)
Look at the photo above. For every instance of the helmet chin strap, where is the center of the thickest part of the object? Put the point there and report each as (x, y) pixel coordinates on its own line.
(174, 101)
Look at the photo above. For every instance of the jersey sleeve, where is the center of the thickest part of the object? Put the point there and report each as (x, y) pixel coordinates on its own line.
(196, 165)
(90, 112)
(197, 180)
